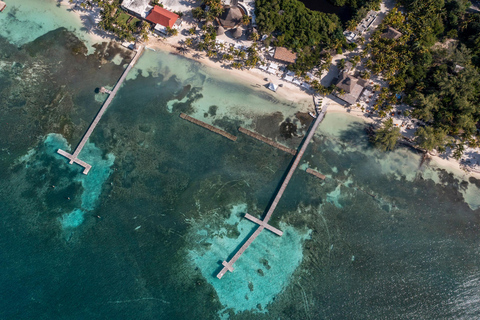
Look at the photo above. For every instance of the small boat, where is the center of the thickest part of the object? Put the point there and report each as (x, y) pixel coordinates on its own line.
(312, 115)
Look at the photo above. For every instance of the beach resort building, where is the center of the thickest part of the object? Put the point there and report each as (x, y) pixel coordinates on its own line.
(3, 5)
(366, 23)
(352, 88)
(139, 8)
(284, 55)
(162, 18)
(231, 17)
(392, 34)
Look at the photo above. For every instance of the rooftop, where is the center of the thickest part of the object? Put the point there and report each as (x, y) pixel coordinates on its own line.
(352, 86)
(284, 55)
(140, 7)
(162, 17)
(3, 5)
(392, 34)
(231, 16)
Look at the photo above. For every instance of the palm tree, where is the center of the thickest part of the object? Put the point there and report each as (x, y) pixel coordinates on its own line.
(245, 20)
(254, 36)
(188, 42)
(351, 25)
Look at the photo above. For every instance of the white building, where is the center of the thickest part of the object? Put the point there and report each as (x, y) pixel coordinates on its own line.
(139, 8)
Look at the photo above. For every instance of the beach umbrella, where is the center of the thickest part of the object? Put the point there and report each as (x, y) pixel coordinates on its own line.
(238, 33)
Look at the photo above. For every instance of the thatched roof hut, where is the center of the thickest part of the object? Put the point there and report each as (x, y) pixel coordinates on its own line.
(231, 16)
(220, 30)
(392, 33)
(238, 33)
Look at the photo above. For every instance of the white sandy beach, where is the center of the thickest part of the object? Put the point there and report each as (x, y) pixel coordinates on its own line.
(257, 78)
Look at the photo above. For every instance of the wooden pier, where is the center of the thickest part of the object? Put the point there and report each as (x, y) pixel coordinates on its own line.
(74, 157)
(208, 127)
(267, 140)
(315, 173)
(263, 224)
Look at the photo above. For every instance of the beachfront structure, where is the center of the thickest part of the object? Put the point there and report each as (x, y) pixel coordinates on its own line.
(367, 22)
(272, 87)
(392, 33)
(220, 31)
(162, 18)
(139, 8)
(237, 33)
(352, 88)
(231, 17)
(289, 75)
(350, 36)
(3, 5)
(284, 55)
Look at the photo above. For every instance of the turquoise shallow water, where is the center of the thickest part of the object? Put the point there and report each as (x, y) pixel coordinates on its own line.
(143, 234)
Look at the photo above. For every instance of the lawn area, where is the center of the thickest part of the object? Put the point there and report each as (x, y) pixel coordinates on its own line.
(122, 18)
(134, 22)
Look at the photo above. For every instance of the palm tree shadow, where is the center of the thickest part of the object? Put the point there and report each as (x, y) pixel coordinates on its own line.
(355, 134)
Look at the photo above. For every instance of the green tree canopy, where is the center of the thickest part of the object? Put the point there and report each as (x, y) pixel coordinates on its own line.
(387, 136)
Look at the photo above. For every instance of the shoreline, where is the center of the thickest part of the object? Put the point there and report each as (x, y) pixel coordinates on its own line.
(252, 77)
(256, 78)
(297, 95)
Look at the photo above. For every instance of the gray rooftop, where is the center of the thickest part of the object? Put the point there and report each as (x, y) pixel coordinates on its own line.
(352, 87)
(137, 6)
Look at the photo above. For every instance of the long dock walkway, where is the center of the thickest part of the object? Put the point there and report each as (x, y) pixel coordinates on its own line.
(267, 141)
(208, 127)
(74, 157)
(263, 224)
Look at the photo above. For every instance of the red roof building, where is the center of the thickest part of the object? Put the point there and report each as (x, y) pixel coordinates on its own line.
(162, 16)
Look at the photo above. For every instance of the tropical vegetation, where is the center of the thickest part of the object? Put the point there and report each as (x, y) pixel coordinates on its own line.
(435, 65)
(387, 136)
(118, 22)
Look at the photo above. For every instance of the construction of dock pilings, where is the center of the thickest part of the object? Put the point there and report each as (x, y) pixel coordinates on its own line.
(267, 140)
(208, 127)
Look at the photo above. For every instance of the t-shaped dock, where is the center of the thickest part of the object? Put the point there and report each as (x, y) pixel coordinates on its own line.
(263, 224)
(74, 157)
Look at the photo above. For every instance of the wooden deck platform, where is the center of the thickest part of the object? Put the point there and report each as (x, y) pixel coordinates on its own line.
(74, 157)
(208, 127)
(315, 173)
(267, 140)
(228, 265)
